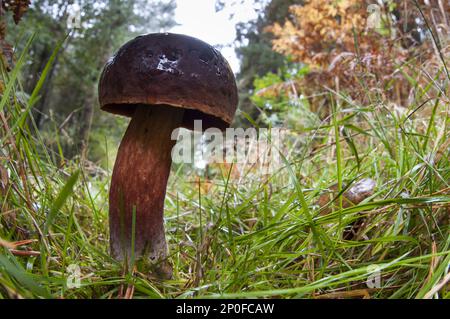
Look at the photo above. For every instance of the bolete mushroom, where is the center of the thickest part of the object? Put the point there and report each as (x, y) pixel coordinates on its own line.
(162, 81)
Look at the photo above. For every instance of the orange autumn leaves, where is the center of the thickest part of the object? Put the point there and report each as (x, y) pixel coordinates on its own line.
(346, 53)
(320, 29)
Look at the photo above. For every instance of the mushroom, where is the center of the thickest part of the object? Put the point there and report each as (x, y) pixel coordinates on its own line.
(162, 81)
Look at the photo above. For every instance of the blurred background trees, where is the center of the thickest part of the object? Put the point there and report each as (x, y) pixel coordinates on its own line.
(293, 55)
(343, 47)
(361, 92)
(67, 107)
(254, 49)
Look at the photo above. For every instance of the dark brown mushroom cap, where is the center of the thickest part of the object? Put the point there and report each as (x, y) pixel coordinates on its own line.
(171, 69)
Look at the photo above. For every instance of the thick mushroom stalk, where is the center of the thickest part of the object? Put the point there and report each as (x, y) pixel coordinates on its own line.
(154, 78)
(139, 183)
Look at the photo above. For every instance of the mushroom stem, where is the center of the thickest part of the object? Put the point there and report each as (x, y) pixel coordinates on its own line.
(139, 183)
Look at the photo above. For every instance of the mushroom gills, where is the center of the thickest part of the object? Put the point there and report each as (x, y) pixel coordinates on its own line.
(139, 181)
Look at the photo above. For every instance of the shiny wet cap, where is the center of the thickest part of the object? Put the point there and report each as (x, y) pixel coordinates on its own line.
(174, 70)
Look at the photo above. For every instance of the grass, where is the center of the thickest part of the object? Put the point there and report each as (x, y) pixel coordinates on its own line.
(243, 235)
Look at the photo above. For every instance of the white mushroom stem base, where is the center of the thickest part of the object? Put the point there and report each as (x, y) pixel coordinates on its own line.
(139, 183)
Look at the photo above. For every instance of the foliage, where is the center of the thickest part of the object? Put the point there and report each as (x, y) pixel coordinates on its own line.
(18, 9)
(347, 52)
(240, 233)
(248, 235)
(322, 30)
(68, 104)
(254, 49)
(278, 101)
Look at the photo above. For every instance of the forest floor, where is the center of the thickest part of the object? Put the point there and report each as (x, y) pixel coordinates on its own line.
(241, 235)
